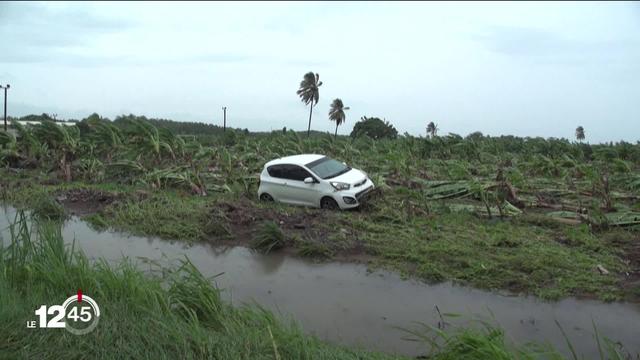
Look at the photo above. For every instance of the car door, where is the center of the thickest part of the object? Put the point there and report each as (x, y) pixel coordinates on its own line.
(297, 191)
(277, 182)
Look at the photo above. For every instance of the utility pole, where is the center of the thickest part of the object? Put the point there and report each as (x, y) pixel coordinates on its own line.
(5, 104)
(224, 126)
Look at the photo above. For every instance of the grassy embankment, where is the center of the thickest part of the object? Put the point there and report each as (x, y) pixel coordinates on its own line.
(171, 314)
(529, 253)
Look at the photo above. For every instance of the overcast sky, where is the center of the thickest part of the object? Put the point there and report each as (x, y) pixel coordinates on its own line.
(528, 69)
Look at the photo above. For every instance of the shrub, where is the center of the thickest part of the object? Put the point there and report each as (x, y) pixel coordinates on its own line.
(374, 128)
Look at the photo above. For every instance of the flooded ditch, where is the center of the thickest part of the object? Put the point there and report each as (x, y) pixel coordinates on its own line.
(344, 303)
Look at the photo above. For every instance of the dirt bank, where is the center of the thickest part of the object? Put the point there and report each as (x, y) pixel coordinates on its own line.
(81, 202)
(321, 231)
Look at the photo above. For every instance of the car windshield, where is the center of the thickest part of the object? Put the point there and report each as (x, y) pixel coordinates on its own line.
(327, 168)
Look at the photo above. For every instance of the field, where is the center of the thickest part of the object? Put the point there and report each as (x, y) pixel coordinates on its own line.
(540, 216)
(546, 217)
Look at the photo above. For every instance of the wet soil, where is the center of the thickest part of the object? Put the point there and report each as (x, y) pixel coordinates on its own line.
(631, 282)
(81, 202)
(238, 223)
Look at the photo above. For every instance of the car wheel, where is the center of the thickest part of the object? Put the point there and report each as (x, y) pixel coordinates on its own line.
(266, 197)
(328, 203)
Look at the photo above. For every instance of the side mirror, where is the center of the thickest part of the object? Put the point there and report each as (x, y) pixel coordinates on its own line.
(344, 163)
(309, 180)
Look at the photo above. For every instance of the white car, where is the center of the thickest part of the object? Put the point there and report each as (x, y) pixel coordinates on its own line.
(313, 180)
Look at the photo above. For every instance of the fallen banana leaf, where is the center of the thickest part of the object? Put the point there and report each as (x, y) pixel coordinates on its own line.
(566, 217)
(556, 192)
(218, 188)
(627, 218)
(436, 183)
(564, 214)
(446, 190)
(623, 196)
(560, 207)
(507, 209)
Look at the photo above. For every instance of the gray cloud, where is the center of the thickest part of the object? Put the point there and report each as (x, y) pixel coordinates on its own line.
(38, 34)
(35, 33)
(44, 19)
(544, 46)
(60, 56)
(527, 42)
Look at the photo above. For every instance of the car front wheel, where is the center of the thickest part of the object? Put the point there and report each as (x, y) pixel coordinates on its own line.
(328, 203)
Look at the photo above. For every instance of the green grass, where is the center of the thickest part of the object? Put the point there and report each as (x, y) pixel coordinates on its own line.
(167, 215)
(268, 238)
(46, 208)
(499, 254)
(529, 253)
(176, 313)
(313, 249)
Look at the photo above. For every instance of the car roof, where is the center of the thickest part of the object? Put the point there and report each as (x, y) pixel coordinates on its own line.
(302, 159)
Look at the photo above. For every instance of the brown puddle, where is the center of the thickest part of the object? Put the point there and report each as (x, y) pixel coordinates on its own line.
(345, 304)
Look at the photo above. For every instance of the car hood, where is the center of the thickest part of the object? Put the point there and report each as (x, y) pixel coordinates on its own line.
(352, 176)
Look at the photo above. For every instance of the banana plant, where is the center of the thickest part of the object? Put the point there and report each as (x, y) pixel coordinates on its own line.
(92, 169)
(147, 139)
(64, 142)
(107, 137)
(9, 154)
(28, 145)
(180, 177)
(127, 169)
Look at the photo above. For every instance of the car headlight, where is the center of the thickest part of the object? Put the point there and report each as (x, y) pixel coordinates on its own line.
(340, 185)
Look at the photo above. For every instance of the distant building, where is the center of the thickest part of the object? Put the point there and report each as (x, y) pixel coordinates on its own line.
(64, 123)
(11, 130)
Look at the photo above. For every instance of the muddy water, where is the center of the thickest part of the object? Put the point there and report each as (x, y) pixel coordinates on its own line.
(344, 303)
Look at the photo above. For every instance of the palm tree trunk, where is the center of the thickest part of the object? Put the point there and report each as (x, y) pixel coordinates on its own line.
(335, 136)
(310, 112)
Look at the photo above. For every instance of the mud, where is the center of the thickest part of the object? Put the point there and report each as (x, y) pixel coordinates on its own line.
(631, 257)
(240, 221)
(81, 202)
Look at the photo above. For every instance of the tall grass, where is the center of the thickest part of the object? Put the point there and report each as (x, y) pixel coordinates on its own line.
(171, 314)
(483, 340)
(175, 313)
(269, 237)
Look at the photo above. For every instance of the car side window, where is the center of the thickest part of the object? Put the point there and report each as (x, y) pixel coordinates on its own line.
(294, 172)
(277, 171)
(287, 171)
(299, 173)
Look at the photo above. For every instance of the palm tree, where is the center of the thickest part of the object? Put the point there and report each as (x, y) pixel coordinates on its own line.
(309, 93)
(336, 113)
(432, 129)
(580, 133)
